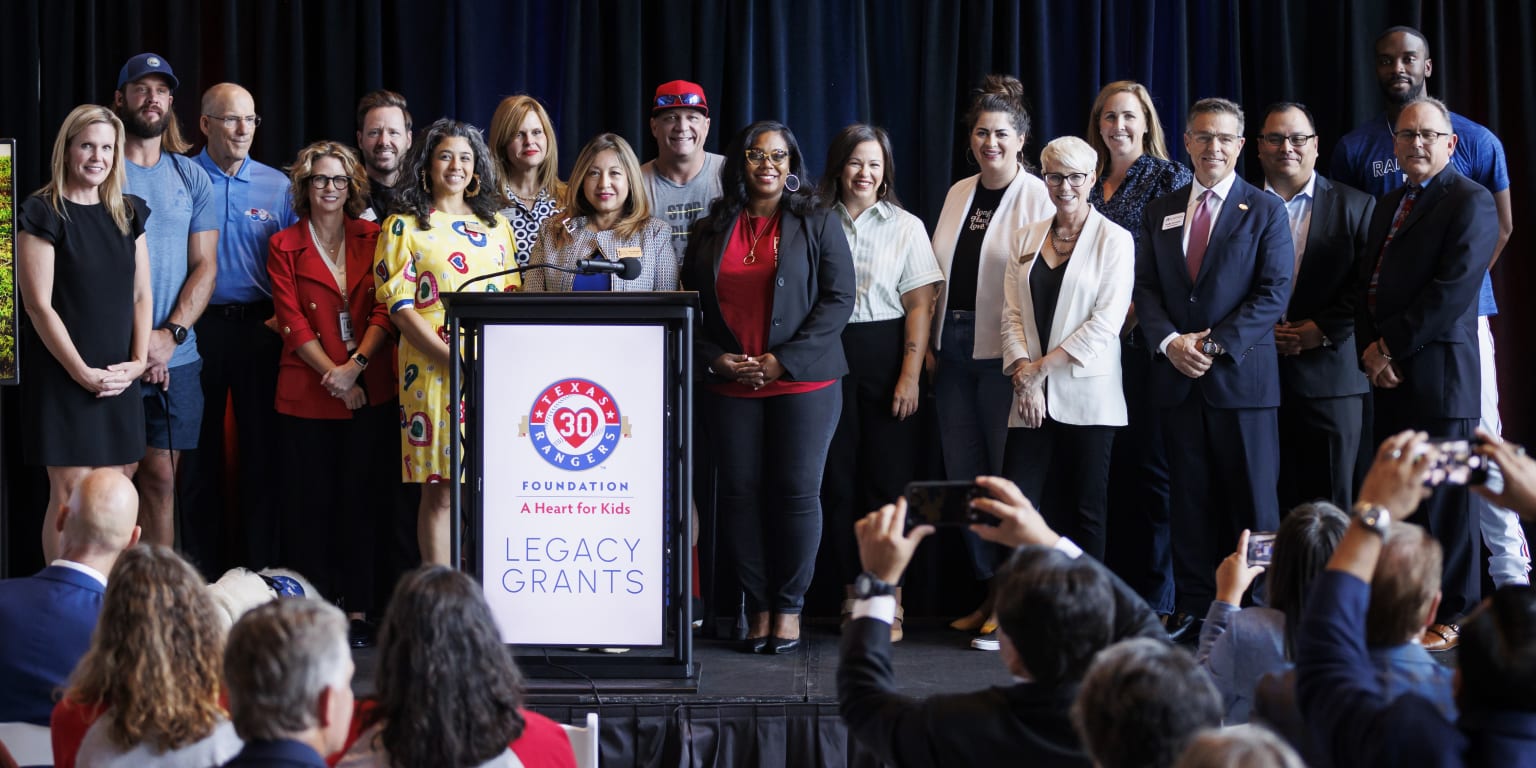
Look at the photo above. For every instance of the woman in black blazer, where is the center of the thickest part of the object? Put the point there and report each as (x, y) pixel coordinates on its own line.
(775, 280)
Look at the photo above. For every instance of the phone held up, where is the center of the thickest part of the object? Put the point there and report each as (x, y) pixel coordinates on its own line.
(1261, 548)
(1455, 463)
(945, 503)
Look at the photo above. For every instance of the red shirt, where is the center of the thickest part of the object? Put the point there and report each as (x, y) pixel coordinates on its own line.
(542, 745)
(744, 285)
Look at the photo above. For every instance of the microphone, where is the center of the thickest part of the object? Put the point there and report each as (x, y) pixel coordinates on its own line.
(627, 268)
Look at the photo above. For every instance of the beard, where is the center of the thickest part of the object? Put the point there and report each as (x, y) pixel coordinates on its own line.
(141, 127)
(1412, 94)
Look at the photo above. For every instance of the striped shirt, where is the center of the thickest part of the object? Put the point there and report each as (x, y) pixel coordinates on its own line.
(891, 256)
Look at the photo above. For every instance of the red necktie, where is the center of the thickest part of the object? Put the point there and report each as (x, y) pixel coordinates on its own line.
(1397, 223)
(1199, 235)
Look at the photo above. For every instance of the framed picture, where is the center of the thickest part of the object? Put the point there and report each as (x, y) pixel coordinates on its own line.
(10, 320)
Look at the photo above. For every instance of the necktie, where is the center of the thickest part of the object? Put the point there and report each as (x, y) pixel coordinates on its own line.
(1397, 223)
(1199, 235)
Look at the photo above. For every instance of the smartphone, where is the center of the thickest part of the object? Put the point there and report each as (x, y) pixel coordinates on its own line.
(945, 503)
(1261, 548)
(1456, 463)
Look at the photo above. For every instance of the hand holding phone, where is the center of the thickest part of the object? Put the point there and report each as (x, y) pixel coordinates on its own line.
(945, 503)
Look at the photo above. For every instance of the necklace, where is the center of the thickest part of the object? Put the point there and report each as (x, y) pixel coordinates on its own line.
(1057, 242)
(751, 257)
(1056, 232)
(526, 199)
(331, 252)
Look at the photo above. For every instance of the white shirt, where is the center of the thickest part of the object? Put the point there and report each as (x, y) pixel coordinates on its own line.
(891, 256)
(1299, 209)
(83, 568)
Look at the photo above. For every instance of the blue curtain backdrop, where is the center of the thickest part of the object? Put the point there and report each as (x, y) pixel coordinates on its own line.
(908, 65)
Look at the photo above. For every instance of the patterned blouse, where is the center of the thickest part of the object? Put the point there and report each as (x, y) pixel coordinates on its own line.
(526, 220)
(1146, 180)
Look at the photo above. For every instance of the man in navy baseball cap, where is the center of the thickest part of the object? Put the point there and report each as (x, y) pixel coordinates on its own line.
(146, 64)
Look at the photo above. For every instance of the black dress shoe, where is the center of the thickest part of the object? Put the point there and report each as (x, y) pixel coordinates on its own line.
(778, 645)
(1182, 627)
(753, 644)
(360, 633)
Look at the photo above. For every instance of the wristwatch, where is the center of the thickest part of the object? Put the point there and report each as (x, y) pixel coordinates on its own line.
(361, 360)
(1376, 518)
(178, 332)
(1210, 348)
(867, 585)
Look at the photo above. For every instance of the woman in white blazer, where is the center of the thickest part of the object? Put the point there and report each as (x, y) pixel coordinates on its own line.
(1065, 293)
(971, 242)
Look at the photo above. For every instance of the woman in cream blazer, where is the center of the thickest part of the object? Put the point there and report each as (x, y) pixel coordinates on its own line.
(1065, 293)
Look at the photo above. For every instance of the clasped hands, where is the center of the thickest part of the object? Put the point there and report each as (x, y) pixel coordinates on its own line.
(341, 382)
(1029, 385)
(1298, 337)
(1184, 352)
(112, 380)
(1379, 368)
(752, 371)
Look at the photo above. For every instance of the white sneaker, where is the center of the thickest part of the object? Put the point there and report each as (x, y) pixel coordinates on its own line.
(987, 642)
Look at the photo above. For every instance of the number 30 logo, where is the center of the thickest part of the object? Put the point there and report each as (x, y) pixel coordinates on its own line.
(575, 424)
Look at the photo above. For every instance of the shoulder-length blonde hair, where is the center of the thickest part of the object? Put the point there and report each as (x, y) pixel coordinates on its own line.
(1152, 142)
(156, 654)
(509, 117)
(111, 190)
(304, 167)
(637, 207)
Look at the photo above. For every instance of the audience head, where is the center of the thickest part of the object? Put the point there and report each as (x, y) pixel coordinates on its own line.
(383, 133)
(859, 168)
(99, 520)
(229, 121)
(437, 626)
(1214, 139)
(998, 123)
(324, 162)
(606, 181)
(289, 671)
(1247, 745)
(88, 153)
(1305, 541)
(1497, 656)
(450, 161)
(1402, 64)
(1283, 159)
(156, 654)
(1054, 613)
(522, 138)
(1405, 588)
(1140, 704)
(1423, 141)
(758, 165)
(1125, 123)
(145, 88)
(679, 120)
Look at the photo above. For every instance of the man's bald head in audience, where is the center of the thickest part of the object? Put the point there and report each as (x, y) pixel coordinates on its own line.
(100, 519)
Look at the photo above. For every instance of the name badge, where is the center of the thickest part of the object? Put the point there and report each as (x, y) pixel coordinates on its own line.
(346, 326)
(1173, 221)
(629, 252)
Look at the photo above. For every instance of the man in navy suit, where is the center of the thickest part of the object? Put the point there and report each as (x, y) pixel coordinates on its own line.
(1416, 325)
(1322, 391)
(1213, 275)
(48, 618)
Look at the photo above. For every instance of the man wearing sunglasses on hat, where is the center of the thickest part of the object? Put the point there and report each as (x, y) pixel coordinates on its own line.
(684, 178)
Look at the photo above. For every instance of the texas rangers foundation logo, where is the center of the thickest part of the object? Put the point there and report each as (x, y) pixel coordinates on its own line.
(575, 424)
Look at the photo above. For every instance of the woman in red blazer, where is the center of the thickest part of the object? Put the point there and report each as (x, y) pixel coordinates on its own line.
(336, 404)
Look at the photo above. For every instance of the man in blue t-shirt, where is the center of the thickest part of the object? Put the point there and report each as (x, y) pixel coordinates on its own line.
(182, 236)
(1364, 159)
(241, 346)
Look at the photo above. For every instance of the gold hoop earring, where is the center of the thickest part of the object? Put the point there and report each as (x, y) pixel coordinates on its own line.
(475, 181)
(970, 158)
(424, 186)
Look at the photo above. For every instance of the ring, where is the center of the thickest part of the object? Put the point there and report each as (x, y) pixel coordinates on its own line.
(1396, 454)
(1519, 450)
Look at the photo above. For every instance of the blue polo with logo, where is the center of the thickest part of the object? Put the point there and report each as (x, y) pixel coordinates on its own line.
(254, 204)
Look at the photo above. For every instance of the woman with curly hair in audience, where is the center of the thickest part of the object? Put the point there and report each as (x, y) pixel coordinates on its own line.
(147, 691)
(449, 693)
(528, 163)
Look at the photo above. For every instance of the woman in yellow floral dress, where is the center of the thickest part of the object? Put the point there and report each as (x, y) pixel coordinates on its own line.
(446, 233)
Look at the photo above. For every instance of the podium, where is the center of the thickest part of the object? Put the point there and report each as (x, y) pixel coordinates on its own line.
(575, 493)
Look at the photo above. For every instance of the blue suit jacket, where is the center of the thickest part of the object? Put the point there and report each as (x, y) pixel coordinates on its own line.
(47, 622)
(1240, 293)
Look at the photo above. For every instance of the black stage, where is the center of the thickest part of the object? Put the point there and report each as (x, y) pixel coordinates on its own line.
(755, 710)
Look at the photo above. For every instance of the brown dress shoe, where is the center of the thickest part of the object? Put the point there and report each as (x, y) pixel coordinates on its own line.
(1441, 637)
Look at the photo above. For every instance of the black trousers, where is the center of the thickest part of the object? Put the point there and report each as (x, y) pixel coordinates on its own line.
(1138, 549)
(1064, 470)
(240, 357)
(1319, 445)
(770, 453)
(873, 454)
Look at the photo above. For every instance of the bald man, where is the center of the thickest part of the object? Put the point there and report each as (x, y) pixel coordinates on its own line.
(48, 617)
(240, 352)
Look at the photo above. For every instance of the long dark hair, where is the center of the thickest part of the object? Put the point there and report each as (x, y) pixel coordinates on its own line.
(733, 179)
(1303, 544)
(415, 191)
(437, 630)
(842, 147)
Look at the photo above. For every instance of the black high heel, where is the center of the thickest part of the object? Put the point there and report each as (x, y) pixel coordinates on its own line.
(754, 644)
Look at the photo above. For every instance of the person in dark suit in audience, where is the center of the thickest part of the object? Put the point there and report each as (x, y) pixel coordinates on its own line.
(1322, 391)
(1056, 608)
(49, 616)
(1213, 274)
(1416, 327)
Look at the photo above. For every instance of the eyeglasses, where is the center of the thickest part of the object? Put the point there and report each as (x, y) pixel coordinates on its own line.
(321, 182)
(1430, 138)
(1226, 140)
(1297, 140)
(680, 100)
(1072, 179)
(758, 157)
(230, 121)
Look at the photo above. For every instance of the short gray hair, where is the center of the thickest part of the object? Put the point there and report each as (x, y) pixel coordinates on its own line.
(1072, 152)
(1439, 106)
(1252, 746)
(279, 659)
(1215, 105)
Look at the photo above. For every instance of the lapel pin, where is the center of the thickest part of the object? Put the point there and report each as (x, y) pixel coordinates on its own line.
(1242, 206)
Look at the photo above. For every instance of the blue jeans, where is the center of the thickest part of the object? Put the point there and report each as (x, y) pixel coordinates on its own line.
(972, 399)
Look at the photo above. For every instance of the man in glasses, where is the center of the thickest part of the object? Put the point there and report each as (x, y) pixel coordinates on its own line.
(240, 346)
(684, 178)
(1213, 275)
(1416, 326)
(1322, 391)
(182, 235)
(1365, 159)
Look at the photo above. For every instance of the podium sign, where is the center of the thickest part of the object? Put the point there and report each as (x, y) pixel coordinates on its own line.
(574, 499)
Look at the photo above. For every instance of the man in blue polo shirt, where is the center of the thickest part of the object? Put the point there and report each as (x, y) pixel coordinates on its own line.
(1364, 159)
(240, 347)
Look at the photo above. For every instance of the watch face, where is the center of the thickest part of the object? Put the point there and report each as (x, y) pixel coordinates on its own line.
(861, 584)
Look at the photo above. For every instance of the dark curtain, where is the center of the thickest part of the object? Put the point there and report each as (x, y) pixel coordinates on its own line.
(908, 65)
